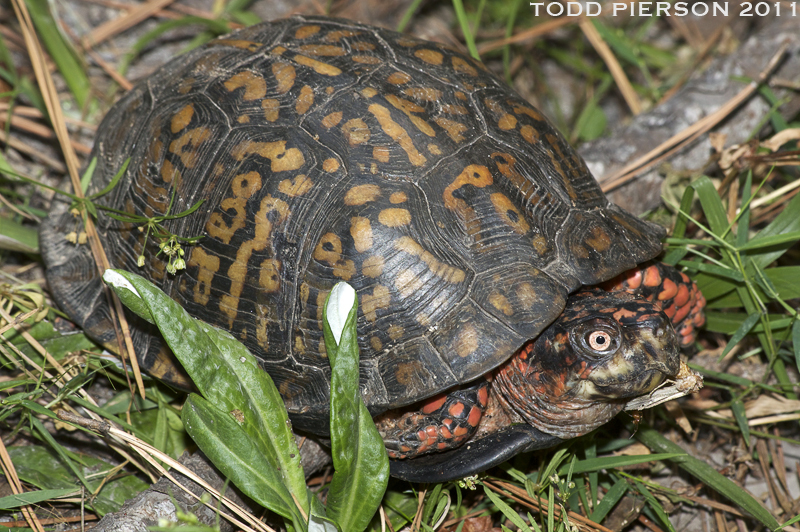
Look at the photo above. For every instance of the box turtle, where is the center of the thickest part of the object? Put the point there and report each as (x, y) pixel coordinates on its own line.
(326, 151)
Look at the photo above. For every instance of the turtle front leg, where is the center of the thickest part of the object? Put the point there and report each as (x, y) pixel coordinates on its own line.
(444, 422)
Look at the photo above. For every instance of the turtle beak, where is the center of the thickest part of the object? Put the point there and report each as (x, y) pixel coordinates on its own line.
(658, 352)
(662, 346)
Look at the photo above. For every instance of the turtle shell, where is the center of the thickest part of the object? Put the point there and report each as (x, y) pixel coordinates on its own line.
(326, 151)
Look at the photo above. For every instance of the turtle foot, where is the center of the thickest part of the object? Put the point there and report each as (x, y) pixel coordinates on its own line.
(444, 422)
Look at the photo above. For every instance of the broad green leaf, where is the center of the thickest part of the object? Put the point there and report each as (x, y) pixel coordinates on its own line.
(235, 382)
(730, 322)
(230, 448)
(788, 221)
(782, 278)
(796, 342)
(400, 508)
(712, 206)
(714, 287)
(164, 428)
(42, 468)
(319, 523)
(764, 242)
(708, 475)
(360, 462)
(17, 237)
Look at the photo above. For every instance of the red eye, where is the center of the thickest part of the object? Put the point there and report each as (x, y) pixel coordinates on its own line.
(599, 340)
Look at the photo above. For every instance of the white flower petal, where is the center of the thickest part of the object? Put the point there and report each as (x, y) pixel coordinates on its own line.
(114, 279)
(316, 524)
(341, 301)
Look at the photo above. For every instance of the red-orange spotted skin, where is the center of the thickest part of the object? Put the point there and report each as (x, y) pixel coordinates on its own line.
(442, 422)
(672, 290)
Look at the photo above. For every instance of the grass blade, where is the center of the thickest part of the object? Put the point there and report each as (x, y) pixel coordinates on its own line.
(708, 475)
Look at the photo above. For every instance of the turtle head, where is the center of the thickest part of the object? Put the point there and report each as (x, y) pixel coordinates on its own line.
(603, 350)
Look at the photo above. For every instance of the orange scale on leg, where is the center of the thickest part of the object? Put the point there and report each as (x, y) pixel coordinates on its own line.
(474, 416)
(668, 290)
(456, 409)
(634, 281)
(682, 313)
(483, 396)
(683, 296)
(698, 319)
(652, 276)
(434, 403)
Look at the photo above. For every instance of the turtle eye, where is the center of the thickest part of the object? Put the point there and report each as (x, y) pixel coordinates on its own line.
(599, 341)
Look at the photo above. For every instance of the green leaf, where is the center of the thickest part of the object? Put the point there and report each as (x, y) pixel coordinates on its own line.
(796, 342)
(87, 175)
(233, 383)
(617, 40)
(45, 470)
(218, 27)
(33, 497)
(764, 242)
(507, 511)
(15, 236)
(655, 506)
(741, 419)
(783, 279)
(591, 122)
(708, 475)
(60, 50)
(610, 462)
(361, 465)
(730, 322)
(230, 448)
(712, 205)
(676, 253)
(740, 333)
(788, 221)
(610, 499)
